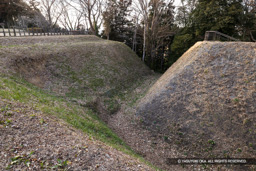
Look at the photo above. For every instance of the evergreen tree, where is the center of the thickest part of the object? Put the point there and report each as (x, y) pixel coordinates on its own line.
(116, 24)
(108, 18)
(11, 9)
(226, 16)
(18, 12)
(217, 15)
(248, 21)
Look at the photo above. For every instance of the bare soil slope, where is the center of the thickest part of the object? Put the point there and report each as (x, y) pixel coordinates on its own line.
(205, 104)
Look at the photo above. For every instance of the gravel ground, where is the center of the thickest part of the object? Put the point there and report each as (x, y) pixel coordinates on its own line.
(31, 140)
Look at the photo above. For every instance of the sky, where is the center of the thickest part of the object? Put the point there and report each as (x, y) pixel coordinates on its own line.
(177, 2)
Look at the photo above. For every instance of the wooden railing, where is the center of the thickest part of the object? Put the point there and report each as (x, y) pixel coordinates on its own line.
(21, 31)
(217, 36)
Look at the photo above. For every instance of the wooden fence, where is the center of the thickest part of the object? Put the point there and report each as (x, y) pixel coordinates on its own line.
(217, 36)
(20, 31)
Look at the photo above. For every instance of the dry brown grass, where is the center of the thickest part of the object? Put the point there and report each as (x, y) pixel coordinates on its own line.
(205, 104)
(73, 66)
(83, 73)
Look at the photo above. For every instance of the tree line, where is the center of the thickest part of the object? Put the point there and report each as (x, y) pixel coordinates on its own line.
(157, 30)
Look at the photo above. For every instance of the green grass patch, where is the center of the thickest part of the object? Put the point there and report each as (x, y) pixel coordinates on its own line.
(9, 46)
(96, 82)
(112, 105)
(17, 89)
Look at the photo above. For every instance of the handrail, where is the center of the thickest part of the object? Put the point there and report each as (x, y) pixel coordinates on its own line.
(14, 31)
(216, 36)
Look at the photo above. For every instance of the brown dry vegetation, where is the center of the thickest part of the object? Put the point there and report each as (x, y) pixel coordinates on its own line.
(80, 76)
(21, 41)
(68, 66)
(31, 140)
(205, 104)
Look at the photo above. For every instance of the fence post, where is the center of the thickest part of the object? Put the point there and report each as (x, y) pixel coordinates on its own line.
(9, 31)
(24, 31)
(28, 31)
(206, 35)
(14, 31)
(3, 30)
(19, 32)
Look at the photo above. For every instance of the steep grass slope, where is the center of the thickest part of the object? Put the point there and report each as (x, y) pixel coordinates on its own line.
(82, 68)
(75, 66)
(205, 104)
(71, 78)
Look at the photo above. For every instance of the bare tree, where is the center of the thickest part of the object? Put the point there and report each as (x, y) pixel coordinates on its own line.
(143, 8)
(157, 18)
(71, 18)
(107, 24)
(136, 25)
(52, 11)
(160, 21)
(92, 10)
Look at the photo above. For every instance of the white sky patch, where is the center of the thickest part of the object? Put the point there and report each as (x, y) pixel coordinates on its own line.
(177, 2)
(73, 13)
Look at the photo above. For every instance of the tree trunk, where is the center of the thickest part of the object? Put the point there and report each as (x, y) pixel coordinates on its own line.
(134, 40)
(144, 43)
